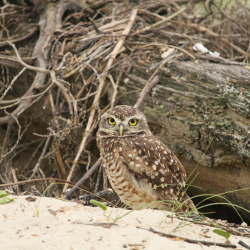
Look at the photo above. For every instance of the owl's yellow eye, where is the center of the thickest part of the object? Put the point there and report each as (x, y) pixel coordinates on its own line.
(133, 122)
(111, 121)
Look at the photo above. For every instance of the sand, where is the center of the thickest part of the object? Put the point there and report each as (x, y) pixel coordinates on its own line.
(66, 225)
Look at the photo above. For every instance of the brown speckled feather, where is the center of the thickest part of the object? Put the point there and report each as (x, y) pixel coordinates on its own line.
(153, 163)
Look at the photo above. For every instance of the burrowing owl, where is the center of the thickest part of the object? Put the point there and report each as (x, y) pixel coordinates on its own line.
(141, 169)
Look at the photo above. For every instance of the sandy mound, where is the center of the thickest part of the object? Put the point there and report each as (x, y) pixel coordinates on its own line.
(74, 226)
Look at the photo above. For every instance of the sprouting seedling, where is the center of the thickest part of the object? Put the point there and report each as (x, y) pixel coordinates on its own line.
(3, 197)
(43, 194)
(37, 210)
(224, 234)
(99, 204)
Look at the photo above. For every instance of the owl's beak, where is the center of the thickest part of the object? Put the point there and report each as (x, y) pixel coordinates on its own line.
(121, 129)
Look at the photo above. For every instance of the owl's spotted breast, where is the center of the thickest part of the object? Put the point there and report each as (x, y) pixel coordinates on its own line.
(141, 169)
(127, 185)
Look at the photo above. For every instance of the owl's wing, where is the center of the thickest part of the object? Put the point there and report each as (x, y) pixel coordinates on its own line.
(154, 163)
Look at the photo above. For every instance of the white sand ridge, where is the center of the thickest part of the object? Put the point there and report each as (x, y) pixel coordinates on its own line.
(66, 225)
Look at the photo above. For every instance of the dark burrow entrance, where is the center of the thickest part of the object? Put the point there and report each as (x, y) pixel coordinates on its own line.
(222, 212)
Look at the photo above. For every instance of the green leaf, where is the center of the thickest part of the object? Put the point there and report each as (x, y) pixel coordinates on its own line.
(3, 194)
(6, 200)
(222, 233)
(99, 204)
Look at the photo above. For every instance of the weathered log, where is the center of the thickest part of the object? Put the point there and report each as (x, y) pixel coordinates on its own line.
(194, 104)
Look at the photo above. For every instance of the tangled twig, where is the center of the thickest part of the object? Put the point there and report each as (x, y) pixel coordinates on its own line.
(143, 94)
(97, 96)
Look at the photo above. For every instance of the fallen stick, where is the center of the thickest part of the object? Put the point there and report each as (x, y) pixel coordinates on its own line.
(242, 243)
(42, 179)
(30, 67)
(207, 243)
(20, 39)
(162, 21)
(85, 177)
(142, 96)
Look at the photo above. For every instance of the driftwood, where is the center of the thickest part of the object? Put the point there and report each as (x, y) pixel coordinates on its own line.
(194, 104)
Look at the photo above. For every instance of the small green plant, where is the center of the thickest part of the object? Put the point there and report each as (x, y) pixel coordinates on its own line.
(3, 197)
(37, 210)
(99, 204)
(222, 233)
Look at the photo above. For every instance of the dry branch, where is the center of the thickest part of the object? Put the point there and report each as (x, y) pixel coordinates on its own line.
(143, 94)
(42, 65)
(207, 243)
(11, 84)
(38, 180)
(242, 243)
(97, 96)
(162, 21)
(41, 70)
(31, 33)
(49, 22)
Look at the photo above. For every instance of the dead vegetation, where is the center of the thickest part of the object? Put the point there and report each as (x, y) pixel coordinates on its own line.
(62, 64)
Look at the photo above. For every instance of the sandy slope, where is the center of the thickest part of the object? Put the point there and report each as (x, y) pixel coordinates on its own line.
(79, 227)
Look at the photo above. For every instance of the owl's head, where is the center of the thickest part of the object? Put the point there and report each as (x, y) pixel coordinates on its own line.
(123, 121)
